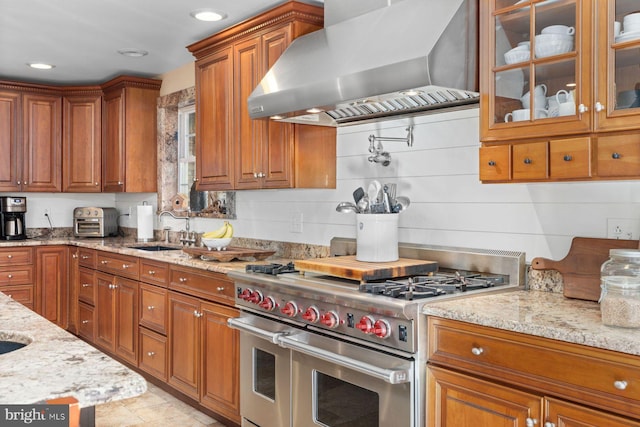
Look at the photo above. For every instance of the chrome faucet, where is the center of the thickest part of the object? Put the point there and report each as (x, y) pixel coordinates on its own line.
(186, 237)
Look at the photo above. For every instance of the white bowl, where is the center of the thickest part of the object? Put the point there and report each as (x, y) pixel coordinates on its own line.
(549, 46)
(217, 244)
(631, 18)
(558, 29)
(516, 55)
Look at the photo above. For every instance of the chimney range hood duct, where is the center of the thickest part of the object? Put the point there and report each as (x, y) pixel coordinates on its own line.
(408, 57)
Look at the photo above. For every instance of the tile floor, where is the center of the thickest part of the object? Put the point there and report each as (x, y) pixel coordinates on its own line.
(154, 408)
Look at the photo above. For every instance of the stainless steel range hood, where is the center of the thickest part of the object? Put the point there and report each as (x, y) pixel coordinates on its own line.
(405, 58)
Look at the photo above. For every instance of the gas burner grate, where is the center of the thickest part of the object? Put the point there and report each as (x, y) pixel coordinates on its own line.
(271, 269)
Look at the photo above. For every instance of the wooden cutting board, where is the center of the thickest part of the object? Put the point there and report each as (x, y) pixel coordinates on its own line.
(580, 269)
(347, 267)
(229, 253)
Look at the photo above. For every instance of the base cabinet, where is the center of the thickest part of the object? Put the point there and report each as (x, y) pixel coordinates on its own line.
(485, 377)
(52, 290)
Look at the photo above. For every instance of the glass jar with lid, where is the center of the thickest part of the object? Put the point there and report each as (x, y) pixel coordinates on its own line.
(620, 283)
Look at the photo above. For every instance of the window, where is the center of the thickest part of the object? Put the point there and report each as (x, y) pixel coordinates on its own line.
(186, 148)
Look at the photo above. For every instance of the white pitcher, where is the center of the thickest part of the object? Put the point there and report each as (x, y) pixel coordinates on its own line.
(540, 97)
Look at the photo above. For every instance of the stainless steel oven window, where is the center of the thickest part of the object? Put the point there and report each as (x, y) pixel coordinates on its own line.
(338, 403)
(264, 374)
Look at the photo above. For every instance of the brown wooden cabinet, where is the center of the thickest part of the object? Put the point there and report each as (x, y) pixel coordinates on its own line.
(10, 140)
(596, 75)
(233, 151)
(477, 376)
(82, 141)
(17, 274)
(52, 284)
(129, 128)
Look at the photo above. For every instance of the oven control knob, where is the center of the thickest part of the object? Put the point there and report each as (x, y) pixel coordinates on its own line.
(268, 304)
(311, 315)
(245, 294)
(330, 319)
(256, 297)
(290, 309)
(365, 324)
(382, 329)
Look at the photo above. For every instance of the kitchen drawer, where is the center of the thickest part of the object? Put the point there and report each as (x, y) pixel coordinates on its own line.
(619, 155)
(570, 158)
(153, 353)
(87, 258)
(18, 275)
(530, 161)
(601, 378)
(203, 284)
(87, 285)
(495, 163)
(119, 265)
(153, 307)
(16, 256)
(154, 272)
(86, 321)
(21, 293)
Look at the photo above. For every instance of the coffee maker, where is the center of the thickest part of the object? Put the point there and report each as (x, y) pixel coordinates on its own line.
(12, 211)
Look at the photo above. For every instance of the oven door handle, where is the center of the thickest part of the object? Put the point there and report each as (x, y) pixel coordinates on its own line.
(237, 323)
(391, 376)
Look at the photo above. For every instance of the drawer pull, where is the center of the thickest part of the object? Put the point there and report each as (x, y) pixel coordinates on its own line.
(113, 286)
(491, 163)
(527, 161)
(620, 385)
(86, 285)
(85, 257)
(104, 261)
(84, 322)
(530, 422)
(10, 276)
(615, 156)
(150, 307)
(152, 272)
(477, 351)
(10, 296)
(182, 279)
(220, 288)
(151, 353)
(74, 256)
(125, 266)
(9, 256)
(567, 158)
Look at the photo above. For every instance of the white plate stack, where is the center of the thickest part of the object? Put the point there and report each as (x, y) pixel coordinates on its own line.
(631, 28)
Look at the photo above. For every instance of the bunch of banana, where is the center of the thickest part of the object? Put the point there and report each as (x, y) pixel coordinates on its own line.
(226, 231)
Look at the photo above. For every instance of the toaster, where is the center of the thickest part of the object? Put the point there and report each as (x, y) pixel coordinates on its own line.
(95, 222)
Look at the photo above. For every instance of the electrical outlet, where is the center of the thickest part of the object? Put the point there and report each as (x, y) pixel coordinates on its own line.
(623, 228)
(296, 222)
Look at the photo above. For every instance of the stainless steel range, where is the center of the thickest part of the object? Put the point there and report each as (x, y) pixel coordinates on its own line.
(322, 351)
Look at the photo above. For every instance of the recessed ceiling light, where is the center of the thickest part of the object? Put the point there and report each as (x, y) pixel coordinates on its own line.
(208, 15)
(40, 65)
(133, 52)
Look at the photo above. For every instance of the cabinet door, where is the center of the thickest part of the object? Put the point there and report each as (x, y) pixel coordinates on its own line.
(52, 297)
(184, 349)
(42, 142)
(113, 141)
(220, 390)
(457, 400)
(82, 144)
(10, 131)
(247, 133)
(105, 301)
(153, 354)
(531, 161)
(569, 415)
(214, 106)
(126, 319)
(277, 139)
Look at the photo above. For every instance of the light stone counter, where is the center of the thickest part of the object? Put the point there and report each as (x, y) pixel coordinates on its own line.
(57, 364)
(543, 314)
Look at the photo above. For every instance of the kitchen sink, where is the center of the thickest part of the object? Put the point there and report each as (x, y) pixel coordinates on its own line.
(9, 346)
(155, 248)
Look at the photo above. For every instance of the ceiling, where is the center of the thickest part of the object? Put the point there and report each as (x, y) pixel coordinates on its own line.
(82, 37)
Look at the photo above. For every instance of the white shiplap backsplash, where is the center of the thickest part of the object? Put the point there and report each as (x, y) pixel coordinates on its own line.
(449, 205)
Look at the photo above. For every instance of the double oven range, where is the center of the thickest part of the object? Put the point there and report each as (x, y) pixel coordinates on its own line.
(322, 351)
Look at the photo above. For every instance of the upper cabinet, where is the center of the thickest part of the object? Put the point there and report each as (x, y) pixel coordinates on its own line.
(129, 128)
(235, 152)
(559, 80)
(30, 137)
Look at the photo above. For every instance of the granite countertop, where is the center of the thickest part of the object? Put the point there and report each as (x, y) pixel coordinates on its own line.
(57, 364)
(543, 314)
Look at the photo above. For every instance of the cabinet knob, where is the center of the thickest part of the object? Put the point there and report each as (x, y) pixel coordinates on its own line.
(9, 256)
(197, 313)
(10, 276)
(96, 183)
(615, 156)
(150, 307)
(120, 183)
(84, 257)
(104, 261)
(151, 353)
(527, 161)
(491, 163)
(255, 174)
(19, 182)
(530, 422)
(477, 351)
(549, 424)
(582, 108)
(567, 158)
(620, 385)
(125, 266)
(220, 288)
(74, 256)
(182, 279)
(152, 272)
(599, 107)
(86, 285)
(84, 322)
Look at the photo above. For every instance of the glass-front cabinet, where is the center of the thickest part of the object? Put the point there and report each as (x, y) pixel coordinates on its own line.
(557, 75)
